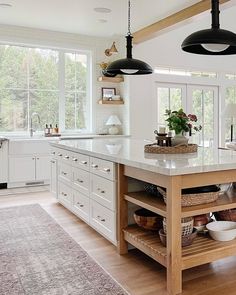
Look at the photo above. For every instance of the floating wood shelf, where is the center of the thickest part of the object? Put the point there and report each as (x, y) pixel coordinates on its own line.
(111, 102)
(155, 204)
(200, 252)
(111, 79)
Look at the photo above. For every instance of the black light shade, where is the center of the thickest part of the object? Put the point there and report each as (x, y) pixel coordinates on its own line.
(129, 65)
(214, 41)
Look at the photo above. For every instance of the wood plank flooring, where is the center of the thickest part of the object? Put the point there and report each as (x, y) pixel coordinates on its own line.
(139, 274)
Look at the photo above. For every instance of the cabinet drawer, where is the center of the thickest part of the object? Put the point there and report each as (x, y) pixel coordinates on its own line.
(81, 180)
(80, 161)
(81, 205)
(103, 168)
(64, 195)
(64, 155)
(103, 191)
(103, 220)
(64, 172)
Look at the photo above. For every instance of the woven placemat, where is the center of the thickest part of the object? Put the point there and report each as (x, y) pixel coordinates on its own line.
(178, 149)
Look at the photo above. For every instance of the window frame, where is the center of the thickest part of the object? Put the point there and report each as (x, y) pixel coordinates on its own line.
(61, 87)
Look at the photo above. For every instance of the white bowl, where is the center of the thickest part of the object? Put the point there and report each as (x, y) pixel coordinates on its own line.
(222, 230)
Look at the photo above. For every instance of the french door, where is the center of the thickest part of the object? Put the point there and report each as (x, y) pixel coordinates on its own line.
(200, 100)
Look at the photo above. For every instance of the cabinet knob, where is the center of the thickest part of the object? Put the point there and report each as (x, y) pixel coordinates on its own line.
(59, 154)
(67, 157)
(63, 173)
(75, 159)
(81, 205)
(53, 153)
(101, 191)
(94, 166)
(53, 162)
(107, 170)
(101, 219)
(80, 181)
(84, 162)
(64, 194)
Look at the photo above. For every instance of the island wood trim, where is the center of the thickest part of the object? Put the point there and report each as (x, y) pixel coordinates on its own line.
(174, 250)
(122, 245)
(171, 22)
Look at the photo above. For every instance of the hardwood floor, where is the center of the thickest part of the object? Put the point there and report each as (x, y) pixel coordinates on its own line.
(137, 273)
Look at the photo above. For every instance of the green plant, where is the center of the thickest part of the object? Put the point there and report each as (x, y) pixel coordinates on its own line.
(180, 122)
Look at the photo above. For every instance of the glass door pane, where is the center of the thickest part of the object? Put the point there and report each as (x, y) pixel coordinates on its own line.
(169, 96)
(203, 102)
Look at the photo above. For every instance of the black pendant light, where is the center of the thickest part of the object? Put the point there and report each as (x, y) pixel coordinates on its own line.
(214, 41)
(129, 65)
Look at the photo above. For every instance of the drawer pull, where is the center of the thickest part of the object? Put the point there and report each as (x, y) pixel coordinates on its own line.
(94, 166)
(101, 219)
(84, 162)
(53, 162)
(80, 181)
(101, 191)
(64, 194)
(63, 173)
(107, 170)
(53, 153)
(75, 159)
(60, 155)
(81, 205)
(67, 157)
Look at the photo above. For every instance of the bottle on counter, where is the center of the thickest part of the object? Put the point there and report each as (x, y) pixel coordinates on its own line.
(46, 130)
(56, 129)
(50, 129)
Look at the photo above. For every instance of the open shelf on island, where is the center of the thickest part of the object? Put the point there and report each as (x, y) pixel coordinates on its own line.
(226, 200)
(111, 79)
(203, 250)
(111, 102)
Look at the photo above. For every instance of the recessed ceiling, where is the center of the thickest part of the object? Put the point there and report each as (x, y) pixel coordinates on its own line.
(78, 16)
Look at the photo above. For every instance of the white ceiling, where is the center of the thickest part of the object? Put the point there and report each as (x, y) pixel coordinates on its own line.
(78, 16)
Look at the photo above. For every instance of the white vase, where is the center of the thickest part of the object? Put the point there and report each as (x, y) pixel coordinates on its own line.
(179, 139)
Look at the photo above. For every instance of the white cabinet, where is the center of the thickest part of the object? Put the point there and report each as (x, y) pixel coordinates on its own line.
(53, 177)
(86, 186)
(42, 166)
(29, 163)
(21, 169)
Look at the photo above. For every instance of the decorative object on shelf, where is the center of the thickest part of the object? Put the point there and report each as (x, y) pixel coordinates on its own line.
(185, 241)
(117, 79)
(151, 189)
(129, 65)
(222, 230)
(226, 215)
(181, 123)
(112, 50)
(180, 149)
(113, 121)
(196, 196)
(214, 41)
(103, 66)
(111, 102)
(186, 225)
(200, 221)
(148, 219)
(229, 112)
(107, 93)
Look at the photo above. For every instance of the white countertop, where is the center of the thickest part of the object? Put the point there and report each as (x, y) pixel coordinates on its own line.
(131, 152)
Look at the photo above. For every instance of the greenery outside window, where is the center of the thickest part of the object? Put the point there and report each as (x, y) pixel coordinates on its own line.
(43, 81)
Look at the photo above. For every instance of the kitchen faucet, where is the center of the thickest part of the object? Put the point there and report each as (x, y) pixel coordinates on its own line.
(31, 123)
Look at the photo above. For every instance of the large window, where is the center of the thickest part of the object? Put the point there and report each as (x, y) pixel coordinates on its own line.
(43, 81)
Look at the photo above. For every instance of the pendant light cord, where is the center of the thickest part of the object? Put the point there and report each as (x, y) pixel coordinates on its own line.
(129, 7)
(215, 11)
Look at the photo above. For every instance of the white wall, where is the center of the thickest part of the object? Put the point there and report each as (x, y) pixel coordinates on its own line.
(97, 45)
(165, 50)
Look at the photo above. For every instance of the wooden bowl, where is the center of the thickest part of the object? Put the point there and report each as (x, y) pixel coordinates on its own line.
(186, 240)
(147, 219)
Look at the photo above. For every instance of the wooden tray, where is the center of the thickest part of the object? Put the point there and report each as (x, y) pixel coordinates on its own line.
(178, 149)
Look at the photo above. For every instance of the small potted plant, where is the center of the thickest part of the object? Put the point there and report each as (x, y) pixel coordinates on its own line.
(181, 123)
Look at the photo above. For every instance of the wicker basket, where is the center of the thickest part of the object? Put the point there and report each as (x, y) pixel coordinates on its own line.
(178, 149)
(186, 223)
(226, 215)
(194, 199)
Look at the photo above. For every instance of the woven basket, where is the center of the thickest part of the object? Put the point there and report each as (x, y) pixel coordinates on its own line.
(186, 224)
(194, 199)
(178, 149)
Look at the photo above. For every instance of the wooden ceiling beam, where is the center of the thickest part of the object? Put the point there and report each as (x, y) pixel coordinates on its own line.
(177, 19)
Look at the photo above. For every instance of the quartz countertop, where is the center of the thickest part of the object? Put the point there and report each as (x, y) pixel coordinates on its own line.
(130, 152)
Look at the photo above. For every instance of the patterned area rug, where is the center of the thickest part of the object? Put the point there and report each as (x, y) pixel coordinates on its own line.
(37, 257)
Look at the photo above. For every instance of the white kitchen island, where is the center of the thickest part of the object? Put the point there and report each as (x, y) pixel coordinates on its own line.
(111, 163)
